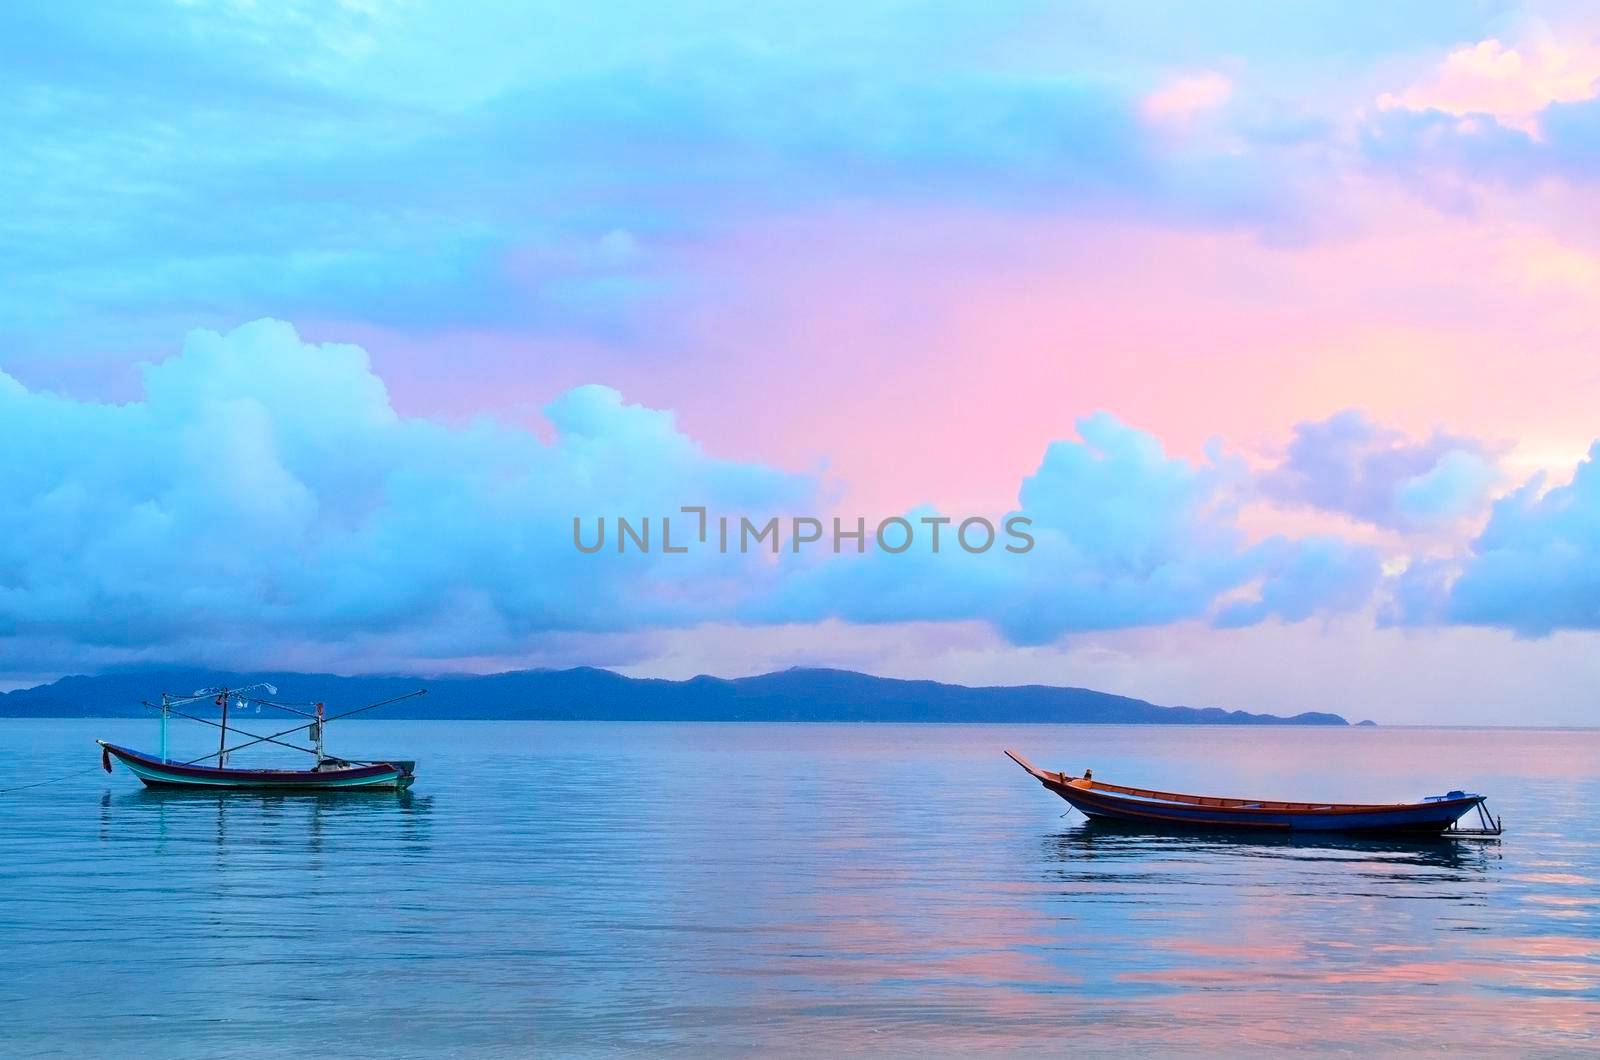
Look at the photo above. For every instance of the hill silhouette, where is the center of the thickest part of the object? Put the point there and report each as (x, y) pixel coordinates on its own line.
(590, 694)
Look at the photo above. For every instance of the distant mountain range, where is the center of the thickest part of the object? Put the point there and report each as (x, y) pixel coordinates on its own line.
(589, 694)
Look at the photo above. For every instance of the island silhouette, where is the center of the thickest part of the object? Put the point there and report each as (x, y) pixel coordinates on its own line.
(591, 694)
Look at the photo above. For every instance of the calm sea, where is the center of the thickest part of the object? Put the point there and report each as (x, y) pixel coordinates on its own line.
(559, 888)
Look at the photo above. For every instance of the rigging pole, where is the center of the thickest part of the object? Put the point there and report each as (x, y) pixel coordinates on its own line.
(222, 743)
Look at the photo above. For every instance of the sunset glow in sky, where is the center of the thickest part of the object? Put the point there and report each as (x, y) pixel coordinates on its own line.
(320, 324)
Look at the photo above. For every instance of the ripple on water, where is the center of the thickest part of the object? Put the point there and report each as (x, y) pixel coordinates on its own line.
(807, 888)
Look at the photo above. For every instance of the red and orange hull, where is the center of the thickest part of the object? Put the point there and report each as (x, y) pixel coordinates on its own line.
(1100, 801)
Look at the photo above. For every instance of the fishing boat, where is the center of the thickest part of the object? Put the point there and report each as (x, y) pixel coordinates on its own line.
(1103, 802)
(328, 773)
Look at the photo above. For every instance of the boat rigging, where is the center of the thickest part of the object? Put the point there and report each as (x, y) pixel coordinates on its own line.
(327, 773)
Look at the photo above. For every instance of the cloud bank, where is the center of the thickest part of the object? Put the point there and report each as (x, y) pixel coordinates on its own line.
(264, 495)
(265, 490)
(1126, 536)
(1535, 569)
(1350, 465)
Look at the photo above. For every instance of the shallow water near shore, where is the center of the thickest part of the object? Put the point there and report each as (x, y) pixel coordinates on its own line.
(562, 887)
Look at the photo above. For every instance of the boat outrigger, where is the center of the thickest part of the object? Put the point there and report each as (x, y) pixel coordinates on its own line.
(328, 774)
(1100, 801)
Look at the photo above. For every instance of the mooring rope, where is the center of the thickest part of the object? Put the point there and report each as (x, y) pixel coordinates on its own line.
(52, 780)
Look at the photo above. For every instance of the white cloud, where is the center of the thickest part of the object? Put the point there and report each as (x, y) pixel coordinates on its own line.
(265, 488)
(1536, 566)
(1349, 464)
(1510, 84)
(265, 497)
(1127, 536)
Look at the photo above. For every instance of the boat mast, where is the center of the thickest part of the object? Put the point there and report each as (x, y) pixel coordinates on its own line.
(222, 743)
(316, 733)
(166, 709)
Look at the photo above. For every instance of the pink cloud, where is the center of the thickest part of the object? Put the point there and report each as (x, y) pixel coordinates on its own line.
(1184, 97)
(930, 355)
(933, 357)
(1510, 84)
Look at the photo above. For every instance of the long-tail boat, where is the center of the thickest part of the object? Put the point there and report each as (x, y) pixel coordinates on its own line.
(1100, 801)
(327, 774)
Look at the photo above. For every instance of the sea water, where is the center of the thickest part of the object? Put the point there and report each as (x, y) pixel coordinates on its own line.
(575, 888)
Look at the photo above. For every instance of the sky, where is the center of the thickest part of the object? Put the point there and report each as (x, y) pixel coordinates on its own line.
(322, 323)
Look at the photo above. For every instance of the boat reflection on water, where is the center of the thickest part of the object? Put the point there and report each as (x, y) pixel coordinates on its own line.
(181, 814)
(1109, 841)
(319, 800)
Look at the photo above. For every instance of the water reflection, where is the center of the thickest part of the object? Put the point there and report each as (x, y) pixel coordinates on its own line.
(1090, 841)
(572, 889)
(299, 820)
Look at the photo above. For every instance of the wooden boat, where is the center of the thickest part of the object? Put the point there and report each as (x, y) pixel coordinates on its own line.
(331, 774)
(1100, 801)
(327, 774)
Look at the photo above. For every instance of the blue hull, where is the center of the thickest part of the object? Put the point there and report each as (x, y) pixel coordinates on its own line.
(157, 773)
(1113, 803)
(1428, 818)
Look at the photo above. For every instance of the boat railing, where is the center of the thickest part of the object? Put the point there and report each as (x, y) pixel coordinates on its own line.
(1489, 825)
